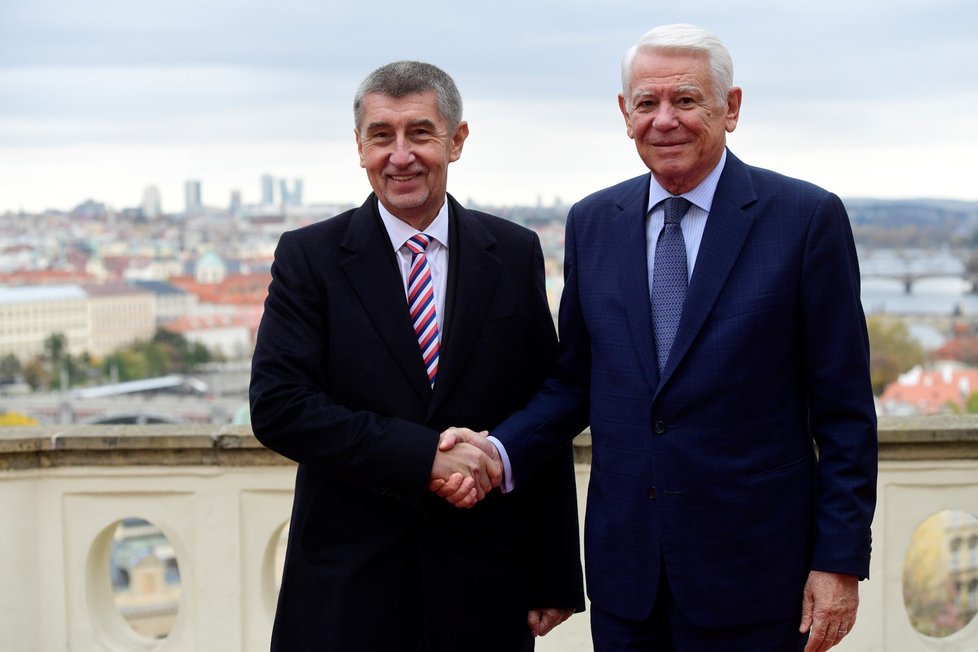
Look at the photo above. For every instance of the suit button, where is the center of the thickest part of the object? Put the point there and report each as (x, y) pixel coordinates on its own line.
(651, 493)
(660, 427)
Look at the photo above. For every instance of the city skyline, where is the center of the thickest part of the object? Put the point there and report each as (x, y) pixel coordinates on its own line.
(103, 100)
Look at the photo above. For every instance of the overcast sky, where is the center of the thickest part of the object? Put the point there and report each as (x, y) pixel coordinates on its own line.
(101, 98)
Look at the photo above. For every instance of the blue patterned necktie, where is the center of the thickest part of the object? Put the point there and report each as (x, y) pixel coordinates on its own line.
(421, 303)
(669, 278)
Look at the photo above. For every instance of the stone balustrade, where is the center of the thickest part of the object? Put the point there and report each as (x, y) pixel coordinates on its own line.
(222, 500)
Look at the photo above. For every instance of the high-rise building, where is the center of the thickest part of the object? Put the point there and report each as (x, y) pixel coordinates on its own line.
(267, 190)
(152, 205)
(234, 208)
(191, 194)
(291, 197)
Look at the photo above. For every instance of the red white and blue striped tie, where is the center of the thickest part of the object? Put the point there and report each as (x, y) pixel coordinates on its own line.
(421, 303)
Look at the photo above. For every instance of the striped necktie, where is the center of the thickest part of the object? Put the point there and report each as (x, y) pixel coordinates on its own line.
(669, 278)
(421, 303)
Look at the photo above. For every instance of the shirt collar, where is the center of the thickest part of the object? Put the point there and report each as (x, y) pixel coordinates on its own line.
(700, 196)
(400, 231)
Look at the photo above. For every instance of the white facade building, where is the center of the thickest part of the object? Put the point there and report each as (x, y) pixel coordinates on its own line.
(94, 319)
(31, 314)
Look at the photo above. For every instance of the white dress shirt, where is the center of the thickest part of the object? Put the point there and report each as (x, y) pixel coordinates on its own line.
(693, 225)
(437, 253)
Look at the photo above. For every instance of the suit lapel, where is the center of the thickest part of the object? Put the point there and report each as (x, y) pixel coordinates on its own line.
(633, 267)
(371, 268)
(473, 274)
(726, 231)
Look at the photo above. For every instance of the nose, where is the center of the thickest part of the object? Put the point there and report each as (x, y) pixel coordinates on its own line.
(666, 117)
(402, 156)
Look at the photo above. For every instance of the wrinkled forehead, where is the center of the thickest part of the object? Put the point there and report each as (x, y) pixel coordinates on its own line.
(381, 107)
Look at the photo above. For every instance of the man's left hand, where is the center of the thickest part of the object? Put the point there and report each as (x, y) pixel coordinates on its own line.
(828, 610)
(542, 621)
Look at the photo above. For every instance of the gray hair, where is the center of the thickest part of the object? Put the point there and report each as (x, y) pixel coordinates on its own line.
(403, 78)
(683, 37)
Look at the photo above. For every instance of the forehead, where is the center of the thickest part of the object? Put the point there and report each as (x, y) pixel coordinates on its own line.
(387, 110)
(664, 69)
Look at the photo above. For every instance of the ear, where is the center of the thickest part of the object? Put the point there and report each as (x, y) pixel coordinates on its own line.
(458, 139)
(734, 97)
(625, 114)
(356, 134)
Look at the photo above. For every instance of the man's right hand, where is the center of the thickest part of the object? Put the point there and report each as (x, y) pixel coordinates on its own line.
(467, 466)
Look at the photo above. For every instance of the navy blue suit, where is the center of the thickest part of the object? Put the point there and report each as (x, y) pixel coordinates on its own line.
(710, 471)
(375, 560)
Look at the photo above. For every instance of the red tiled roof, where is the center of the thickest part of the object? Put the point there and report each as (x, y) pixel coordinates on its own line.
(929, 391)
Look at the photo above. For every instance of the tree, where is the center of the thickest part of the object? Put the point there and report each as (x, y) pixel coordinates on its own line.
(892, 350)
(183, 354)
(56, 347)
(970, 405)
(10, 368)
(36, 375)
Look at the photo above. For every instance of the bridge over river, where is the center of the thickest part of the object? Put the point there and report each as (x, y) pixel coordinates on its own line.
(910, 266)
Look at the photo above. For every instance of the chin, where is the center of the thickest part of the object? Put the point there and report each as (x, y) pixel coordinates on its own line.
(407, 201)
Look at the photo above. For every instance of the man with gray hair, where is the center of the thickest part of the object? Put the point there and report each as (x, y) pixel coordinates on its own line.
(384, 326)
(711, 333)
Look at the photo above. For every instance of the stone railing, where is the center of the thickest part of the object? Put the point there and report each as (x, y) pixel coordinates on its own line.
(221, 501)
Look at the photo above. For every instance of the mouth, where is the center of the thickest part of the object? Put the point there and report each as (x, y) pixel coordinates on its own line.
(405, 178)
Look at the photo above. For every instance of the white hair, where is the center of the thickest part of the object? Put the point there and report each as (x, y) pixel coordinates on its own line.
(688, 38)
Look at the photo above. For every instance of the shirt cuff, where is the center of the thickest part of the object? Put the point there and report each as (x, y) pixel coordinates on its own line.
(508, 482)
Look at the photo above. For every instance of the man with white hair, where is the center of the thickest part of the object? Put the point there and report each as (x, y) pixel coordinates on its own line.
(711, 334)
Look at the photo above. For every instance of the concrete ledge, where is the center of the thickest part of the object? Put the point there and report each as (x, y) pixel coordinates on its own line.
(943, 437)
(132, 445)
(901, 438)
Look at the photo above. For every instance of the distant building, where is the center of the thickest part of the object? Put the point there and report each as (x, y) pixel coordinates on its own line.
(267, 190)
(171, 302)
(145, 268)
(192, 197)
(291, 197)
(210, 268)
(31, 314)
(234, 206)
(152, 203)
(962, 538)
(90, 209)
(929, 391)
(93, 318)
(119, 315)
(228, 335)
(28, 277)
(247, 290)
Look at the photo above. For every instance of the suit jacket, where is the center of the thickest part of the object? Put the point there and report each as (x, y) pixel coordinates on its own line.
(710, 471)
(375, 561)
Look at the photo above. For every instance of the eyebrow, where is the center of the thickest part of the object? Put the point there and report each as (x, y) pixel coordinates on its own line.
(683, 89)
(421, 122)
(691, 89)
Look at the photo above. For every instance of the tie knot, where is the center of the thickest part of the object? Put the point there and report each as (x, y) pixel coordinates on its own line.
(418, 243)
(675, 209)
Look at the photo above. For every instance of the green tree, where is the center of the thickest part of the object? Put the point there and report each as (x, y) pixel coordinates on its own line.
(36, 375)
(183, 354)
(10, 368)
(892, 350)
(129, 364)
(56, 347)
(199, 354)
(970, 405)
(166, 353)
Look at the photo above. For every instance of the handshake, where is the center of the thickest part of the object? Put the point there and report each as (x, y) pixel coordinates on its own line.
(467, 466)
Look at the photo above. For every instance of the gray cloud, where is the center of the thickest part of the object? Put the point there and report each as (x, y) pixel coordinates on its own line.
(856, 75)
